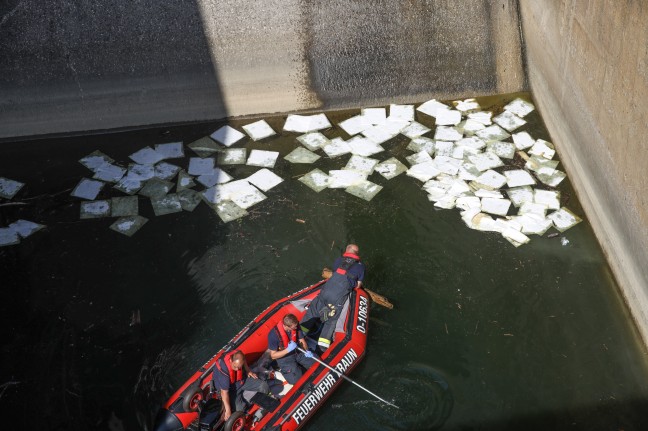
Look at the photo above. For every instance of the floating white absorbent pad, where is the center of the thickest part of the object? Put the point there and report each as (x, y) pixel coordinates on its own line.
(171, 150)
(306, 123)
(146, 156)
(227, 136)
(232, 156)
(264, 159)
(564, 219)
(518, 177)
(94, 209)
(431, 107)
(509, 121)
(519, 107)
(264, 179)
(336, 147)
(128, 225)
(87, 189)
(365, 190)
(390, 168)
(93, 160)
(259, 130)
(340, 179)
(313, 141)
(316, 180)
(301, 155)
(199, 166)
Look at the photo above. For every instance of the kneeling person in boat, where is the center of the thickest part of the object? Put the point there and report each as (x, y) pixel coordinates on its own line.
(232, 377)
(348, 273)
(282, 342)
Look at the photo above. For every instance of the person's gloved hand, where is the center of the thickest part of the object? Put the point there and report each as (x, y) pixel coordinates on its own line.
(291, 346)
(309, 354)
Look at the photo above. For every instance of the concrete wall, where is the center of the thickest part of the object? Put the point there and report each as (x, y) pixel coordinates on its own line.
(588, 70)
(72, 65)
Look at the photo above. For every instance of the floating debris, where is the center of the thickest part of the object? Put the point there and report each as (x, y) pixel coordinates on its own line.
(519, 107)
(523, 140)
(420, 157)
(336, 147)
(564, 219)
(422, 144)
(401, 112)
(483, 117)
(306, 123)
(447, 133)
(227, 136)
(495, 206)
(264, 179)
(95, 209)
(505, 150)
(313, 141)
(302, 155)
(172, 150)
(550, 198)
(414, 130)
(155, 188)
(515, 237)
(25, 228)
(520, 195)
(466, 105)
(141, 172)
(228, 211)
(361, 164)
(365, 190)
(109, 173)
(431, 107)
(128, 225)
(448, 117)
(217, 176)
(390, 168)
(493, 133)
(518, 177)
(201, 166)
(9, 188)
(543, 148)
(221, 192)
(423, 171)
(374, 115)
(166, 171)
(124, 206)
(364, 147)
(167, 204)
(485, 161)
(8, 236)
(509, 121)
(247, 197)
(146, 156)
(259, 130)
(189, 199)
(341, 179)
(316, 180)
(232, 156)
(262, 158)
(490, 180)
(552, 180)
(354, 125)
(383, 132)
(204, 147)
(95, 160)
(185, 181)
(129, 185)
(87, 189)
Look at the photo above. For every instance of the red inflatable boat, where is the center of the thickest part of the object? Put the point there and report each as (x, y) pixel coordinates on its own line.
(195, 405)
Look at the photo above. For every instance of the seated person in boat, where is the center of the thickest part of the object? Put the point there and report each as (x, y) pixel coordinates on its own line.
(232, 377)
(348, 273)
(282, 343)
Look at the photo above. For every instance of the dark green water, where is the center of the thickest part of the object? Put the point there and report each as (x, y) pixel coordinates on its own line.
(499, 338)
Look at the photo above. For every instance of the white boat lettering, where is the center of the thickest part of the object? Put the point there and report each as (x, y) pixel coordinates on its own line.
(346, 361)
(314, 398)
(363, 305)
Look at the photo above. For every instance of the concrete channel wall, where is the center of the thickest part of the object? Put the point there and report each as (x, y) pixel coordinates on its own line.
(588, 70)
(72, 66)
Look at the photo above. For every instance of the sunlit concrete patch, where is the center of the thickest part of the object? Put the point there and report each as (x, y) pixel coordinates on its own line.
(354, 125)
(543, 148)
(336, 147)
(401, 112)
(444, 148)
(128, 225)
(520, 195)
(109, 173)
(520, 107)
(204, 147)
(171, 150)
(485, 161)
(262, 158)
(467, 105)
(423, 171)
(166, 171)
(495, 206)
(189, 199)
(167, 204)
(124, 206)
(95, 209)
(155, 188)
(448, 117)
(227, 136)
(515, 237)
(140, 172)
(564, 219)
(518, 177)
(364, 190)
(200, 166)
(509, 121)
(422, 144)
(420, 157)
(447, 133)
(505, 150)
(493, 133)
(316, 180)
(146, 156)
(87, 189)
(550, 198)
(129, 185)
(95, 160)
(306, 123)
(343, 178)
(361, 164)
(313, 141)
(259, 130)
(523, 140)
(390, 168)
(8, 237)
(552, 180)
(431, 107)
(247, 196)
(374, 115)
(217, 176)
(264, 179)
(9, 188)
(414, 130)
(483, 117)
(228, 211)
(185, 181)
(363, 146)
(232, 156)
(25, 228)
(302, 155)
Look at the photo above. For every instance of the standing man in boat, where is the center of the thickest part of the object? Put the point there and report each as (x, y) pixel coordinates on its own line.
(282, 342)
(232, 377)
(348, 273)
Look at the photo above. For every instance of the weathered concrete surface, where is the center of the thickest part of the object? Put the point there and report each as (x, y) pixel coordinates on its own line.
(588, 70)
(71, 66)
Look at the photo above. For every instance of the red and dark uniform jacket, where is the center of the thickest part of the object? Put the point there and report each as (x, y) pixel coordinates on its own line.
(348, 260)
(341, 282)
(283, 336)
(236, 377)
